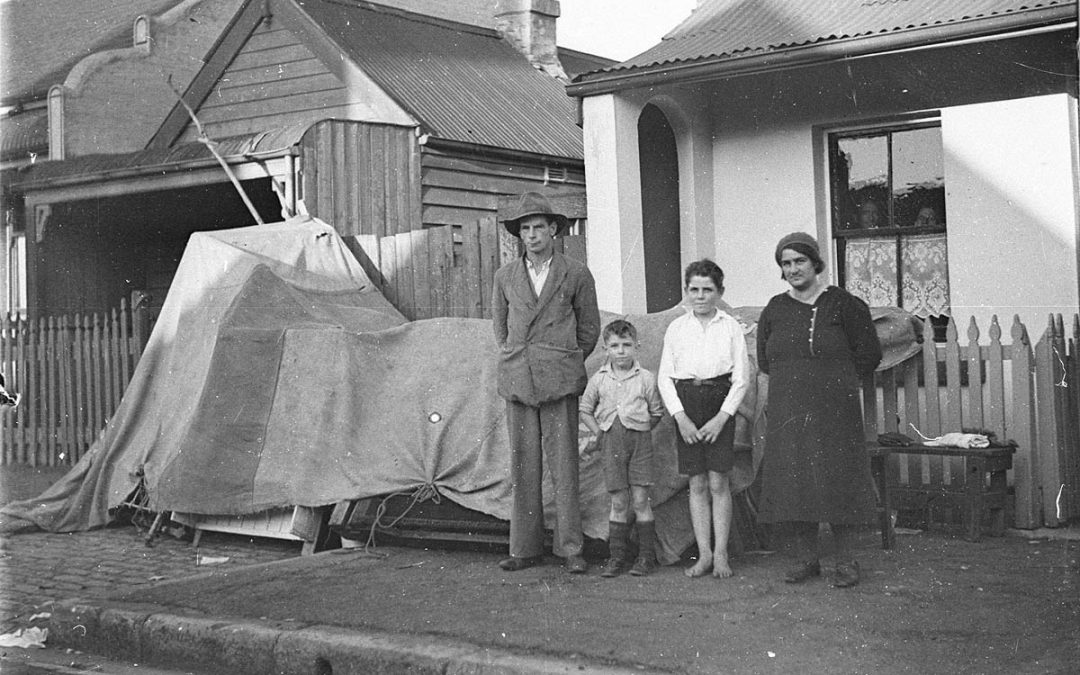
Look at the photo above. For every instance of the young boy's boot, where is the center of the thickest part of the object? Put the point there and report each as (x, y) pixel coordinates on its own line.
(646, 560)
(618, 534)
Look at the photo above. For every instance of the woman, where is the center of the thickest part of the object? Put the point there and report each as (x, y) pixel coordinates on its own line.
(815, 342)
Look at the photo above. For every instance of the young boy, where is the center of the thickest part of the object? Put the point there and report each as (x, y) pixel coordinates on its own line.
(703, 376)
(620, 406)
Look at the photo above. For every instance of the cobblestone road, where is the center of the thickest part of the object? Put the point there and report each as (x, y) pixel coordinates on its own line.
(38, 568)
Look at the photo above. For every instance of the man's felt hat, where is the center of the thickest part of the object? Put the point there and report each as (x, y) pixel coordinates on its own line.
(533, 204)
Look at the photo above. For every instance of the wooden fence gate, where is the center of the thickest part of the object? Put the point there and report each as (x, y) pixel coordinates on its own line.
(1018, 392)
(71, 372)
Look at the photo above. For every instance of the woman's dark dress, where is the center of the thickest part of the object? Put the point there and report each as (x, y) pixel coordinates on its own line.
(815, 465)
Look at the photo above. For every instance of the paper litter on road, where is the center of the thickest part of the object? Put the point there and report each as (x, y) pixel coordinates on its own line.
(201, 559)
(25, 637)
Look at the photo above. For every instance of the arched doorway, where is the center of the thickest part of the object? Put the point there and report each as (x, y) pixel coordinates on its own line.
(659, 209)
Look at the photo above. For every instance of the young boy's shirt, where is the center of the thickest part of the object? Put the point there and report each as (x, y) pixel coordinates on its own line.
(631, 396)
(692, 351)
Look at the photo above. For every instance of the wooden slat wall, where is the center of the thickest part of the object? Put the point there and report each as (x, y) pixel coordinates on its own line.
(275, 81)
(1013, 390)
(71, 372)
(364, 179)
(447, 271)
(458, 190)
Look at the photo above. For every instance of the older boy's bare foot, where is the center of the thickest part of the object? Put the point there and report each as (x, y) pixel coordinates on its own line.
(721, 569)
(702, 567)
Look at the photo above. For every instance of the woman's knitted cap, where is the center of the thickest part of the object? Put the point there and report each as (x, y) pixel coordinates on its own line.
(801, 242)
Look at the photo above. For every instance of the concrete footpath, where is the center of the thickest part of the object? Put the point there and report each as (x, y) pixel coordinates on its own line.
(935, 604)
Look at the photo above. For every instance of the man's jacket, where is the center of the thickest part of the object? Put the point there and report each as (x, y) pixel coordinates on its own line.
(544, 341)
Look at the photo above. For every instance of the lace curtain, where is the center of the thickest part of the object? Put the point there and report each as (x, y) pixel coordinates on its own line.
(870, 268)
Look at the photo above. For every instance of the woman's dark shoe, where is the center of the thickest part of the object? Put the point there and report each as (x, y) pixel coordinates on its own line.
(614, 567)
(643, 566)
(846, 575)
(515, 564)
(807, 570)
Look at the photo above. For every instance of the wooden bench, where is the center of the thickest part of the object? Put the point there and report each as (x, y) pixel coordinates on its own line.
(977, 498)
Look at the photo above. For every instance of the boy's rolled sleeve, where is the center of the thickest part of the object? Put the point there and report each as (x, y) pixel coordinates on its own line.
(590, 398)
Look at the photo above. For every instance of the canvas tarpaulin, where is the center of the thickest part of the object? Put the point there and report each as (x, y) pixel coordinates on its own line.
(278, 376)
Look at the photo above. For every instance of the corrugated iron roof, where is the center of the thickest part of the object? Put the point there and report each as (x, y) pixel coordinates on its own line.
(232, 149)
(42, 40)
(25, 135)
(726, 28)
(463, 82)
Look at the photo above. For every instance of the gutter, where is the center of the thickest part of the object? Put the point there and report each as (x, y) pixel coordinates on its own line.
(436, 143)
(106, 175)
(718, 67)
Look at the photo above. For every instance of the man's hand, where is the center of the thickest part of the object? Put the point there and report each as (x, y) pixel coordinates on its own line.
(713, 427)
(687, 429)
(592, 445)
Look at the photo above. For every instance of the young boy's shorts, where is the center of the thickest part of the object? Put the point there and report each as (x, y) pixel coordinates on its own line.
(627, 457)
(701, 402)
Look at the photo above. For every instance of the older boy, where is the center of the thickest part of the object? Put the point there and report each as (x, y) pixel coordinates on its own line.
(704, 373)
(546, 322)
(620, 406)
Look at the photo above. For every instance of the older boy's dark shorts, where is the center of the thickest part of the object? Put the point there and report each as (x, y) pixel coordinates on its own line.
(627, 457)
(701, 402)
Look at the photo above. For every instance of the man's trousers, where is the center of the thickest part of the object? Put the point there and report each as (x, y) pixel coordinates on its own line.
(545, 434)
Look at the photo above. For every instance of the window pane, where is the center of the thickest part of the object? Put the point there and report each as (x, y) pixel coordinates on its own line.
(918, 178)
(867, 160)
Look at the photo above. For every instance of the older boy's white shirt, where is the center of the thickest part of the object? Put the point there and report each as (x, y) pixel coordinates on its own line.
(692, 351)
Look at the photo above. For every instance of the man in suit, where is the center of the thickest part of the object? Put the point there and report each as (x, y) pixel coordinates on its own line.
(546, 322)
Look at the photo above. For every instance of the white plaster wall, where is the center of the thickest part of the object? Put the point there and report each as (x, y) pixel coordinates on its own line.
(765, 188)
(613, 190)
(1010, 180)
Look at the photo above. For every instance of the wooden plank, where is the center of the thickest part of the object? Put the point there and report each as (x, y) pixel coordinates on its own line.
(975, 378)
(931, 390)
(366, 222)
(441, 256)
(238, 95)
(67, 396)
(470, 271)
(353, 195)
(388, 266)
(270, 73)
(489, 262)
(953, 421)
(1025, 462)
(324, 172)
(98, 382)
(459, 198)
(890, 413)
(284, 53)
(340, 183)
(22, 372)
(994, 415)
(916, 470)
(446, 215)
(114, 367)
(34, 405)
(377, 185)
(1046, 378)
(1060, 393)
(421, 267)
(406, 302)
(78, 381)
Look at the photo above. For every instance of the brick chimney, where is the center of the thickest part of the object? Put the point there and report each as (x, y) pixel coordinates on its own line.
(529, 25)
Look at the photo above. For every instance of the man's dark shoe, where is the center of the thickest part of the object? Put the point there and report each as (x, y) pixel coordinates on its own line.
(643, 566)
(575, 564)
(515, 564)
(804, 572)
(846, 575)
(613, 568)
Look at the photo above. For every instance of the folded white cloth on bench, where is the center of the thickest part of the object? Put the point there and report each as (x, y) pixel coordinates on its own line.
(956, 439)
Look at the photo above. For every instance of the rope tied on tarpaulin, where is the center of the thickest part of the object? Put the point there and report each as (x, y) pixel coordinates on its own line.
(424, 493)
